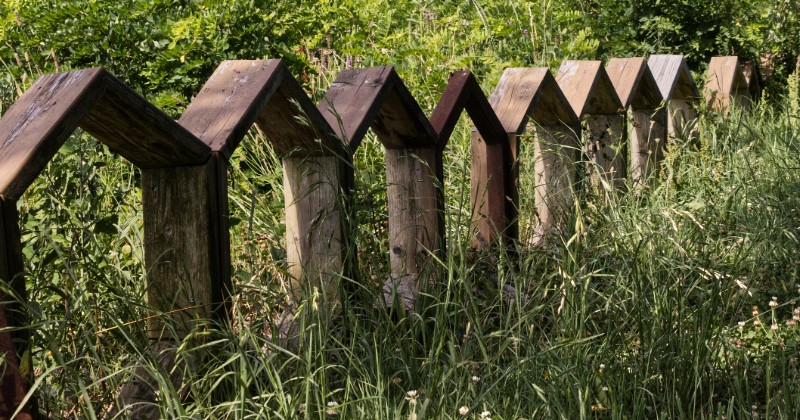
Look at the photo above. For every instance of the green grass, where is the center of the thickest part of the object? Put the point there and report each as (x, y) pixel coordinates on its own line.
(636, 313)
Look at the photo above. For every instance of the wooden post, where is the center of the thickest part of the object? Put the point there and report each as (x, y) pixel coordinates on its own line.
(532, 94)
(753, 76)
(591, 94)
(639, 94)
(726, 84)
(376, 97)
(490, 157)
(13, 381)
(677, 87)
(263, 92)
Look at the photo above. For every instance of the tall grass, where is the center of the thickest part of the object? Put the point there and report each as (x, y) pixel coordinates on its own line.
(647, 308)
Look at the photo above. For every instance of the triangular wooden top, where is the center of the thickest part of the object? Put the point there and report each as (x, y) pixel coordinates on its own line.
(39, 122)
(243, 92)
(376, 97)
(464, 93)
(725, 76)
(634, 83)
(528, 92)
(587, 87)
(673, 77)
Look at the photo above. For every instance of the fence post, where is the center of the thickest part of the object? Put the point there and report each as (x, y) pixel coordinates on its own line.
(726, 84)
(246, 92)
(753, 76)
(376, 97)
(678, 88)
(14, 345)
(532, 95)
(592, 96)
(490, 155)
(647, 121)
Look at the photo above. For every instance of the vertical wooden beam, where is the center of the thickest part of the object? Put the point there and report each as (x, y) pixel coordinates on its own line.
(13, 345)
(605, 146)
(315, 242)
(556, 151)
(489, 192)
(185, 274)
(647, 130)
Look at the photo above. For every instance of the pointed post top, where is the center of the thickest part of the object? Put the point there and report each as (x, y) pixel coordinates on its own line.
(673, 77)
(634, 83)
(588, 88)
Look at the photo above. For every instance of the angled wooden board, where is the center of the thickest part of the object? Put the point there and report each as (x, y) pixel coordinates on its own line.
(634, 83)
(587, 87)
(524, 93)
(464, 93)
(725, 81)
(245, 92)
(673, 77)
(43, 118)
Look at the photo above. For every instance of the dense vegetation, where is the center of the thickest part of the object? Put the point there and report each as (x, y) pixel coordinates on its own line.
(647, 308)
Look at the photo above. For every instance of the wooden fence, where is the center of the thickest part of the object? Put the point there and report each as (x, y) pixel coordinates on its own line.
(585, 107)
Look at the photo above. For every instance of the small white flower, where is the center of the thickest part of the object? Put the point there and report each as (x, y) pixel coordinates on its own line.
(486, 415)
(463, 410)
(774, 327)
(774, 302)
(476, 378)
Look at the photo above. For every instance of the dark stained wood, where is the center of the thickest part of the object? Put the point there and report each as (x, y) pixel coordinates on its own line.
(139, 131)
(489, 157)
(376, 97)
(230, 101)
(243, 92)
(634, 83)
(524, 93)
(39, 122)
(351, 103)
(673, 77)
(726, 83)
(181, 254)
(13, 382)
(587, 87)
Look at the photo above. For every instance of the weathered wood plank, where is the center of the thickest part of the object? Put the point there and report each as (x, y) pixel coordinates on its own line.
(673, 77)
(647, 131)
(726, 84)
(489, 169)
(555, 160)
(639, 91)
(314, 234)
(139, 131)
(605, 147)
(39, 122)
(181, 244)
(13, 382)
(587, 87)
(634, 83)
(489, 158)
(414, 201)
(230, 101)
(351, 104)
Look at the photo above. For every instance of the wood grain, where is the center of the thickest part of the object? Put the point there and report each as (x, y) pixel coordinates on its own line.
(647, 131)
(139, 131)
(726, 84)
(555, 162)
(673, 77)
(39, 122)
(605, 147)
(634, 83)
(181, 254)
(587, 88)
(314, 234)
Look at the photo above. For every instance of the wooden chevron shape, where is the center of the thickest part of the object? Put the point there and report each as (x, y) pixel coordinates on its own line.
(673, 77)
(726, 83)
(36, 126)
